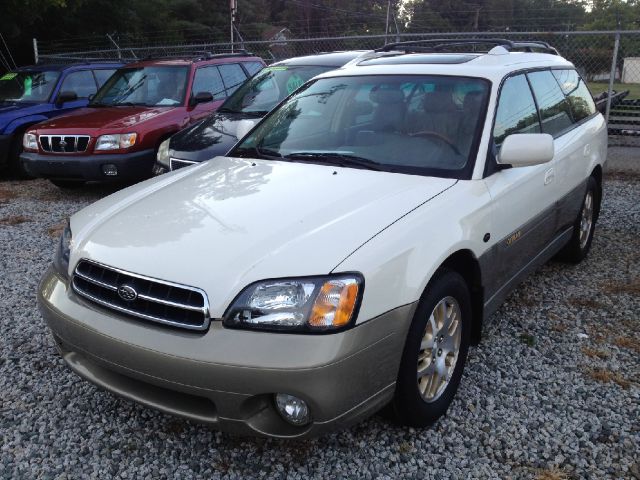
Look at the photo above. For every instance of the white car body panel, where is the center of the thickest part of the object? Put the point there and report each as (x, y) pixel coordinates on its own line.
(231, 222)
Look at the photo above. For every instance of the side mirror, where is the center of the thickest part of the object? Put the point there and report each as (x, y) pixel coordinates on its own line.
(66, 96)
(526, 149)
(201, 97)
(244, 127)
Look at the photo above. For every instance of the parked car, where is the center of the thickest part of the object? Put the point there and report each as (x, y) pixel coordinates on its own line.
(116, 138)
(340, 258)
(216, 134)
(29, 95)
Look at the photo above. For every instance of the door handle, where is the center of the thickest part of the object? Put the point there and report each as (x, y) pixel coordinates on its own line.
(549, 176)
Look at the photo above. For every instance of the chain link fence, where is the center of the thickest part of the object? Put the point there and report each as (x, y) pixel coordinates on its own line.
(608, 60)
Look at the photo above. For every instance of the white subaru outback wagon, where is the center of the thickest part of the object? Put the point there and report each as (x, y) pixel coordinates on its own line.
(346, 252)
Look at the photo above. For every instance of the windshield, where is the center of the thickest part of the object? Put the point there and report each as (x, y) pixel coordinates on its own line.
(27, 86)
(269, 87)
(426, 125)
(148, 86)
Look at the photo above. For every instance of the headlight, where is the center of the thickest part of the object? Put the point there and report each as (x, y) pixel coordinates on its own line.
(61, 258)
(116, 141)
(30, 141)
(163, 153)
(312, 304)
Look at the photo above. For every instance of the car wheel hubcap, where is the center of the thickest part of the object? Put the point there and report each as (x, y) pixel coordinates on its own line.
(586, 219)
(439, 349)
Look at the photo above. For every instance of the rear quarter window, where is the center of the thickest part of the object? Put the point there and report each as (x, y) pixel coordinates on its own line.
(578, 95)
(554, 109)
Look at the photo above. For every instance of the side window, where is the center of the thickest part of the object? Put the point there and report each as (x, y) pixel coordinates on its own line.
(553, 106)
(232, 75)
(580, 99)
(208, 79)
(252, 67)
(80, 82)
(103, 75)
(516, 110)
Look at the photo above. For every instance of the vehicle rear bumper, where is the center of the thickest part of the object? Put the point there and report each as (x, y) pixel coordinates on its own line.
(130, 166)
(227, 377)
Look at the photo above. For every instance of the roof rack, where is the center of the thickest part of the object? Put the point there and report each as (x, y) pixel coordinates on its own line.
(194, 57)
(436, 45)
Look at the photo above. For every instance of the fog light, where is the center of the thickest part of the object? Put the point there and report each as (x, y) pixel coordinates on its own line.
(109, 169)
(293, 409)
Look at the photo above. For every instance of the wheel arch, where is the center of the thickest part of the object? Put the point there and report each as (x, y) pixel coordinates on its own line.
(465, 263)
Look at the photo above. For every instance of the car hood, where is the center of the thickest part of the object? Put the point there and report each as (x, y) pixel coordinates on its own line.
(209, 138)
(224, 224)
(9, 111)
(103, 118)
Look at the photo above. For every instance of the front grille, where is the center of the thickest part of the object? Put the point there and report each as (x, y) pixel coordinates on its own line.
(64, 143)
(175, 163)
(142, 297)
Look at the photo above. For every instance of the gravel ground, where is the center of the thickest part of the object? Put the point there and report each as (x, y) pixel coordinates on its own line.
(553, 391)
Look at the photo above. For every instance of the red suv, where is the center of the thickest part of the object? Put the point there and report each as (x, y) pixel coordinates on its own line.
(116, 137)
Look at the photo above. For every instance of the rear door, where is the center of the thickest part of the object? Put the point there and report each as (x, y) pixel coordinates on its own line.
(524, 199)
(582, 144)
(207, 79)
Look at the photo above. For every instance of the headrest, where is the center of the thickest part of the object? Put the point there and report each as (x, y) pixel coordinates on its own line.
(438, 102)
(386, 95)
(472, 101)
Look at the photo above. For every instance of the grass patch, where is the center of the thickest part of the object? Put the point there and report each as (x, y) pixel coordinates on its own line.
(595, 353)
(626, 342)
(6, 195)
(527, 339)
(585, 302)
(14, 220)
(56, 230)
(599, 87)
(603, 375)
(631, 287)
(552, 474)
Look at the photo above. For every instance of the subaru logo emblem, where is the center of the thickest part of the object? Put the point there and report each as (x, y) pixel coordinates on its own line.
(127, 293)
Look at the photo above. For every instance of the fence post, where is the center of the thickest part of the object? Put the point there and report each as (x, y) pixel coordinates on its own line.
(612, 74)
(116, 45)
(35, 50)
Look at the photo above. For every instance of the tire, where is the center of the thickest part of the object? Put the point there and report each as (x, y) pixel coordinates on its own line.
(68, 184)
(584, 226)
(420, 400)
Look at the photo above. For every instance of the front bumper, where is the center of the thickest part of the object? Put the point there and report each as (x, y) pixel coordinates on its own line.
(131, 166)
(227, 377)
(5, 146)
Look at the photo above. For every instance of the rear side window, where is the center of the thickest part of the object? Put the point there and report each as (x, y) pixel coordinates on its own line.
(252, 67)
(208, 79)
(233, 76)
(516, 110)
(580, 99)
(82, 83)
(103, 75)
(554, 108)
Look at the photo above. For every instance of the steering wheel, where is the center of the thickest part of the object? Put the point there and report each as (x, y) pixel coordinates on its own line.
(437, 136)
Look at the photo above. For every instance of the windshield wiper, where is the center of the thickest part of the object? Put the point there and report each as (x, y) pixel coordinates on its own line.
(255, 152)
(227, 110)
(98, 104)
(129, 104)
(340, 159)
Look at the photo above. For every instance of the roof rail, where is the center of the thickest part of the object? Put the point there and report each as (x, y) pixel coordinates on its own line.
(439, 44)
(194, 57)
